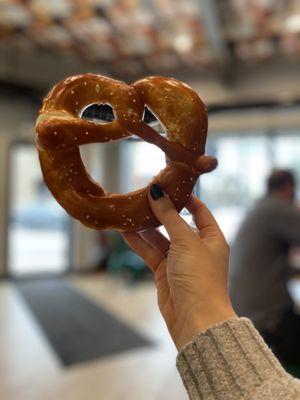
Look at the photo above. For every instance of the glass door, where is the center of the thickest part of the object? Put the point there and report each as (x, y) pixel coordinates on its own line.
(39, 229)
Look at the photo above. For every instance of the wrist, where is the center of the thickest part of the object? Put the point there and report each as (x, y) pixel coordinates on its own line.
(197, 321)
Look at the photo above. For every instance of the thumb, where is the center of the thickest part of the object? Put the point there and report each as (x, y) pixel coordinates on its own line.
(167, 214)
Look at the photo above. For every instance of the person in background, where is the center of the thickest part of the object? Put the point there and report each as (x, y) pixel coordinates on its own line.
(220, 355)
(259, 270)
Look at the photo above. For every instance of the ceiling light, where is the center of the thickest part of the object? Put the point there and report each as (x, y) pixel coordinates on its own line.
(292, 23)
(183, 43)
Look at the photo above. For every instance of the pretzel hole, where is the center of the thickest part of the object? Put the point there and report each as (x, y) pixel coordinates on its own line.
(153, 121)
(98, 113)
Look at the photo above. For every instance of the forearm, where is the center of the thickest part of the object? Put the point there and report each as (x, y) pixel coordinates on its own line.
(231, 361)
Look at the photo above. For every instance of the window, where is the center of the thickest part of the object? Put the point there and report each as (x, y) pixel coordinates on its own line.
(245, 161)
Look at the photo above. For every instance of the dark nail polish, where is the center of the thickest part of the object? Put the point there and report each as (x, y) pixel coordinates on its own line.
(156, 192)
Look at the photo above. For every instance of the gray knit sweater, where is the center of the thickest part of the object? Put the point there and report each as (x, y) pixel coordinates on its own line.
(231, 361)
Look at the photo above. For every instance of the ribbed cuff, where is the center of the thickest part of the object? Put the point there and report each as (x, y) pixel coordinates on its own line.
(227, 361)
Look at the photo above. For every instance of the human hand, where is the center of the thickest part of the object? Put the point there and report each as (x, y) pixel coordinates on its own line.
(190, 269)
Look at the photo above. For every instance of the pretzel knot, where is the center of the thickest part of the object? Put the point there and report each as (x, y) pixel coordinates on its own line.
(60, 132)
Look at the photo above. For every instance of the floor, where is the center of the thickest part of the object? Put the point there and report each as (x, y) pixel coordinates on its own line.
(29, 369)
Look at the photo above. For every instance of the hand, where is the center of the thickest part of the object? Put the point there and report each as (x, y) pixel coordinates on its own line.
(190, 270)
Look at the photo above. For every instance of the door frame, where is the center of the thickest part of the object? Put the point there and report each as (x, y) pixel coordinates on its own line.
(4, 197)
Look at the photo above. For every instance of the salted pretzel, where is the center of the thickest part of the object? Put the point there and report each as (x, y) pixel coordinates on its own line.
(60, 132)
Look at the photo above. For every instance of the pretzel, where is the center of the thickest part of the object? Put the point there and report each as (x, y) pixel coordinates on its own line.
(60, 132)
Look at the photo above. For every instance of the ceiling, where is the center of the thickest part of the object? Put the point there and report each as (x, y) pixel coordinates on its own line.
(44, 40)
(139, 35)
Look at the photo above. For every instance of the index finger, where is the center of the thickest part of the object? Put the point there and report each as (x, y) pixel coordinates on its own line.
(203, 218)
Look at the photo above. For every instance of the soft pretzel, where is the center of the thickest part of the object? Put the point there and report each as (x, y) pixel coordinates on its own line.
(60, 132)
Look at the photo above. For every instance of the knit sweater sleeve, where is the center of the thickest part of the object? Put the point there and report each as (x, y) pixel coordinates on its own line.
(230, 361)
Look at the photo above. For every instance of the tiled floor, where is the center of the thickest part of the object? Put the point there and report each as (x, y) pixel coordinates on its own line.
(29, 369)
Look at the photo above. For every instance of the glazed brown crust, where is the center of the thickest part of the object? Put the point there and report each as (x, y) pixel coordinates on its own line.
(60, 131)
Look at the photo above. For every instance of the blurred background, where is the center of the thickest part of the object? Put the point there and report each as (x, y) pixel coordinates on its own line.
(78, 310)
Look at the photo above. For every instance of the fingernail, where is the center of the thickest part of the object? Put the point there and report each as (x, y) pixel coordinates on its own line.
(156, 192)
